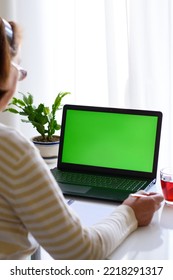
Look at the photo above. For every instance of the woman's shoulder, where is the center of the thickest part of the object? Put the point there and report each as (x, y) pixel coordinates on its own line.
(11, 133)
(10, 137)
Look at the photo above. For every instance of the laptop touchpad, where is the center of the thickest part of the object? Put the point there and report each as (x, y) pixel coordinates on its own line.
(74, 188)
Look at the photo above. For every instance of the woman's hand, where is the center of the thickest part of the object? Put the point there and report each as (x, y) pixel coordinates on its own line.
(145, 206)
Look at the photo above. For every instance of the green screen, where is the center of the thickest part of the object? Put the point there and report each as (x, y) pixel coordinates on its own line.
(111, 140)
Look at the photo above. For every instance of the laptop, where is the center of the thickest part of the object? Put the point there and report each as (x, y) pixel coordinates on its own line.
(107, 153)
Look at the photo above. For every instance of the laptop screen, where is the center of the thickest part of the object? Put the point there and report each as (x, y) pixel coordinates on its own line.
(107, 138)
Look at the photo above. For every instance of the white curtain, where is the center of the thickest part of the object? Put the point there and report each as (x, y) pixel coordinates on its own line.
(106, 52)
(150, 64)
(140, 51)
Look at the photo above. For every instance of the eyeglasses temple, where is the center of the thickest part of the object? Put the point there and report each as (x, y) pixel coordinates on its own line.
(8, 30)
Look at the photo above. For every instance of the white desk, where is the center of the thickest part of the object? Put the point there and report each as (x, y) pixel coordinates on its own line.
(153, 242)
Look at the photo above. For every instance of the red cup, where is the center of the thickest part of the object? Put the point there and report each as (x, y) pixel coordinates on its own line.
(166, 179)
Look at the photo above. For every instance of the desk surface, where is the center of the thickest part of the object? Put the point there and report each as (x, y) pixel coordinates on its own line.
(153, 242)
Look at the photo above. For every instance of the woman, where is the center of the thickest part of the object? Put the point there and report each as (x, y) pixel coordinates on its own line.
(31, 203)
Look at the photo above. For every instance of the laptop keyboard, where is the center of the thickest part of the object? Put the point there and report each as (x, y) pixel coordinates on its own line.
(98, 180)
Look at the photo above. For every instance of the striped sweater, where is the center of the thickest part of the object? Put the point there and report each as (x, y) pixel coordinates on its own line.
(33, 210)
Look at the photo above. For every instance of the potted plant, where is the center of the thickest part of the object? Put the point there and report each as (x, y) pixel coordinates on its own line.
(43, 120)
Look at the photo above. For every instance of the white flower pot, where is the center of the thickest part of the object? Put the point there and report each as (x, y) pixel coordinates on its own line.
(48, 150)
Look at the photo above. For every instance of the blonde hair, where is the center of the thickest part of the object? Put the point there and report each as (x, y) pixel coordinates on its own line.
(8, 51)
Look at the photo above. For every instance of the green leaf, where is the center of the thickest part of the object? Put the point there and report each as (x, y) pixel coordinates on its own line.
(20, 102)
(17, 102)
(11, 110)
(40, 108)
(46, 110)
(25, 121)
(23, 114)
(57, 102)
(30, 99)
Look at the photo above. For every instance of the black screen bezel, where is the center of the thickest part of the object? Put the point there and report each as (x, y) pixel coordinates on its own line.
(109, 171)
